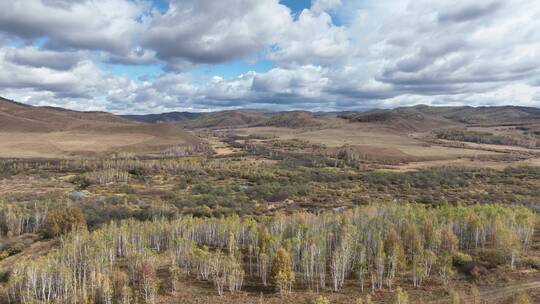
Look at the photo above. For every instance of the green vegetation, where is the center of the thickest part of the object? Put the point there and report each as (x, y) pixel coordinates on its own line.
(215, 187)
(321, 300)
(370, 116)
(281, 272)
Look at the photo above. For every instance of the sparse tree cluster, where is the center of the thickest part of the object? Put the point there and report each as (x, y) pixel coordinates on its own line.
(486, 138)
(30, 217)
(107, 176)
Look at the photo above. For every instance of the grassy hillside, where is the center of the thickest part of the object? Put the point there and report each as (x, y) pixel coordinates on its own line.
(226, 119)
(296, 119)
(484, 115)
(27, 131)
(401, 119)
(25, 118)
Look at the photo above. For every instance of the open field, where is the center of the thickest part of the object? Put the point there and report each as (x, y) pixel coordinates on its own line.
(71, 144)
(374, 142)
(64, 144)
(34, 132)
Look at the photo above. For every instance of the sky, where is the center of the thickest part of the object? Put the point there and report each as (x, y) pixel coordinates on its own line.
(143, 56)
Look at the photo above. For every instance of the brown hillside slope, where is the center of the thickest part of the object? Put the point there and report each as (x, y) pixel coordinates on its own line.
(27, 131)
(21, 117)
(225, 119)
(294, 120)
(405, 120)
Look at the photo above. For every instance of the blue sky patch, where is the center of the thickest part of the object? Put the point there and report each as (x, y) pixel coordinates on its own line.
(296, 6)
(232, 69)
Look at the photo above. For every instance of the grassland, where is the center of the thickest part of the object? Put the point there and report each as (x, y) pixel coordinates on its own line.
(379, 144)
(37, 132)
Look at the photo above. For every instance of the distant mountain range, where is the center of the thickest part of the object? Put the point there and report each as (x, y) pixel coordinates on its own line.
(414, 118)
(164, 117)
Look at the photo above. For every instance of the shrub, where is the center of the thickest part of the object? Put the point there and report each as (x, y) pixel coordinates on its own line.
(401, 296)
(138, 172)
(282, 274)
(4, 277)
(61, 221)
(274, 192)
(455, 297)
(523, 298)
(321, 300)
(493, 257)
(15, 248)
(531, 262)
(461, 259)
(81, 182)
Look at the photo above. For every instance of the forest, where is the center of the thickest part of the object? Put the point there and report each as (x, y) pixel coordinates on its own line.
(374, 247)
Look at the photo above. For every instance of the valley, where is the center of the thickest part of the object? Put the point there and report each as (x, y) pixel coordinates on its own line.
(200, 208)
(269, 152)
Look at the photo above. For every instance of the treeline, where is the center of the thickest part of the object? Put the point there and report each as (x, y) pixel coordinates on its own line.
(485, 138)
(131, 164)
(187, 150)
(40, 217)
(21, 218)
(372, 245)
(48, 218)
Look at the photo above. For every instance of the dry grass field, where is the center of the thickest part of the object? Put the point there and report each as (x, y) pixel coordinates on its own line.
(372, 140)
(81, 143)
(406, 143)
(64, 144)
(34, 132)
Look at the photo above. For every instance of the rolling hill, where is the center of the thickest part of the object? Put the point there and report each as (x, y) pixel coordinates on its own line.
(235, 119)
(496, 115)
(225, 119)
(211, 120)
(20, 117)
(402, 119)
(419, 118)
(423, 118)
(294, 120)
(28, 131)
(164, 117)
